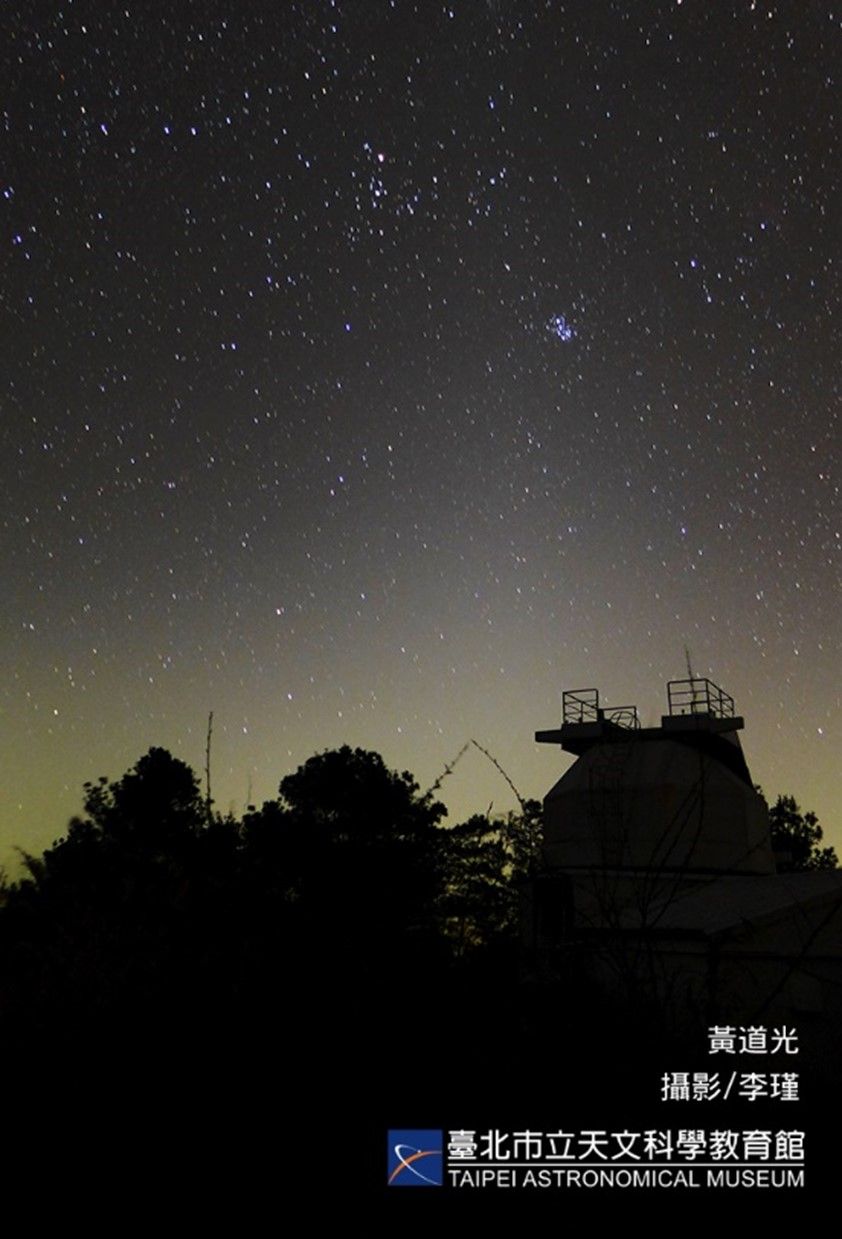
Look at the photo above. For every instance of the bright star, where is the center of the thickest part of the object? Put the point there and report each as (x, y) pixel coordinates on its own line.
(560, 328)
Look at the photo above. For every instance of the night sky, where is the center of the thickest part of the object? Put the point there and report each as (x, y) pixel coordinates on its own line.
(374, 371)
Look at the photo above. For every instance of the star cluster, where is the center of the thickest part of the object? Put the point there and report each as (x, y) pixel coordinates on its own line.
(375, 370)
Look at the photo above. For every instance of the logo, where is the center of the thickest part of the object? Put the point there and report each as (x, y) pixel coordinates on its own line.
(414, 1159)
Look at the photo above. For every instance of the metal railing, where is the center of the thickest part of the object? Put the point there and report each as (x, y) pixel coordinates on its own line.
(622, 716)
(699, 696)
(581, 705)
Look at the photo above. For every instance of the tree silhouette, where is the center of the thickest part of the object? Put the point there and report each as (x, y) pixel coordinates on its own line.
(796, 837)
(488, 860)
(352, 851)
(154, 811)
(336, 904)
(156, 802)
(124, 918)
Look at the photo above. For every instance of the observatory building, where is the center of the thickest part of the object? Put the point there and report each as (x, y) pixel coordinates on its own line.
(658, 879)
